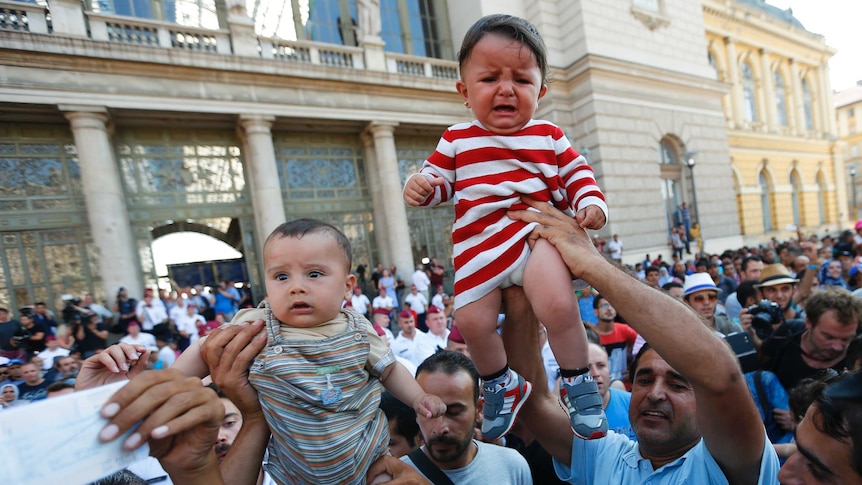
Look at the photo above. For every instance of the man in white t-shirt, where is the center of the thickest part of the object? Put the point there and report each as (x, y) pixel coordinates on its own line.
(188, 323)
(421, 281)
(52, 350)
(411, 343)
(359, 301)
(418, 304)
(437, 331)
(136, 337)
(615, 248)
(383, 301)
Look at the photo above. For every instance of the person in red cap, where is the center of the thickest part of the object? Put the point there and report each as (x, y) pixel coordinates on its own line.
(456, 342)
(52, 350)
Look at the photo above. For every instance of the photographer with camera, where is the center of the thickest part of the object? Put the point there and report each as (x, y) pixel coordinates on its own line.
(30, 336)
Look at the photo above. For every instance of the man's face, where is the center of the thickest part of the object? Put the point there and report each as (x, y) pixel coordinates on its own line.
(40, 309)
(703, 302)
(652, 278)
(436, 323)
(599, 368)
(357, 290)
(780, 294)
(406, 325)
(400, 445)
(381, 320)
(753, 270)
(605, 311)
(134, 330)
(676, 292)
(663, 407)
(712, 270)
(68, 366)
(829, 339)
(820, 459)
(229, 428)
(52, 344)
(30, 373)
(26, 321)
(413, 289)
(4, 316)
(15, 372)
(448, 437)
(458, 347)
(88, 300)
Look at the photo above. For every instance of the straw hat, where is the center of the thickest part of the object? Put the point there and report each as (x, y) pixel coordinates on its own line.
(775, 274)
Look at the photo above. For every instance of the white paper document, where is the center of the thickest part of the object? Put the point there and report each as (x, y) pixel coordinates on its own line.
(55, 441)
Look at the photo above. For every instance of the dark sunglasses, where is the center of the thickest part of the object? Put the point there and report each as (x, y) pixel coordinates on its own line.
(702, 298)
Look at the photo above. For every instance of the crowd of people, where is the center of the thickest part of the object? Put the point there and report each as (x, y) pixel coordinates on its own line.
(163, 322)
(660, 357)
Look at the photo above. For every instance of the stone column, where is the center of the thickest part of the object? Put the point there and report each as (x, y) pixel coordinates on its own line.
(262, 173)
(116, 251)
(398, 231)
(241, 26)
(839, 169)
(67, 19)
(373, 171)
(771, 113)
(830, 127)
(798, 114)
(736, 89)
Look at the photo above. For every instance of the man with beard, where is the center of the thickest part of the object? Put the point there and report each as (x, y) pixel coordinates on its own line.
(682, 386)
(449, 443)
(831, 322)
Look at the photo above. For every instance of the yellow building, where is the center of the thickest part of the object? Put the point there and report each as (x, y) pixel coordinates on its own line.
(787, 163)
(848, 111)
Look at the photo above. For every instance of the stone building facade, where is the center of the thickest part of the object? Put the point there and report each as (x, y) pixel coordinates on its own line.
(124, 121)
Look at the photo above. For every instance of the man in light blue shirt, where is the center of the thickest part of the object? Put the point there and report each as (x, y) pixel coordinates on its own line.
(690, 408)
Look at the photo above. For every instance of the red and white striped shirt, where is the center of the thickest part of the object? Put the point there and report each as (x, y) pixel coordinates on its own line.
(486, 173)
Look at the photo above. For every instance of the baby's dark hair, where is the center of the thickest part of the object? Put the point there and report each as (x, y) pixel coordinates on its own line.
(511, 27)
(298, 228)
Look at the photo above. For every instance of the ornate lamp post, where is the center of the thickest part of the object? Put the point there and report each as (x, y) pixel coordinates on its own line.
(690, 162)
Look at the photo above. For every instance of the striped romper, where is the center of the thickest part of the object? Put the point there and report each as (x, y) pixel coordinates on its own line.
(486, 174)
(319, 400)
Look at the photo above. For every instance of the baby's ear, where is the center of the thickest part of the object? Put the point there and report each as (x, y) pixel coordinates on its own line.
(349, 283)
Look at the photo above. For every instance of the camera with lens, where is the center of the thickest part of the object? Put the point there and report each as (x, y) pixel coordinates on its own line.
(764, 315)
(70, 312)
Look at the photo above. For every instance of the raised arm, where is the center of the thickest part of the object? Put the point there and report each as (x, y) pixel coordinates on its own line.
(735, 439)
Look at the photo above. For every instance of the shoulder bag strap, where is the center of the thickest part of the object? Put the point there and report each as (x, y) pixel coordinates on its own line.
(429, 469)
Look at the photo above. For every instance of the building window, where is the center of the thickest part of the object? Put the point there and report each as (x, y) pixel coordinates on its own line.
(713, 64)
(780, 97)
(667, 154)
(191, 13)
(765, 201)
(806, 103)
(854, 151)
(796, 196)
(407, 26)
(748, 94)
